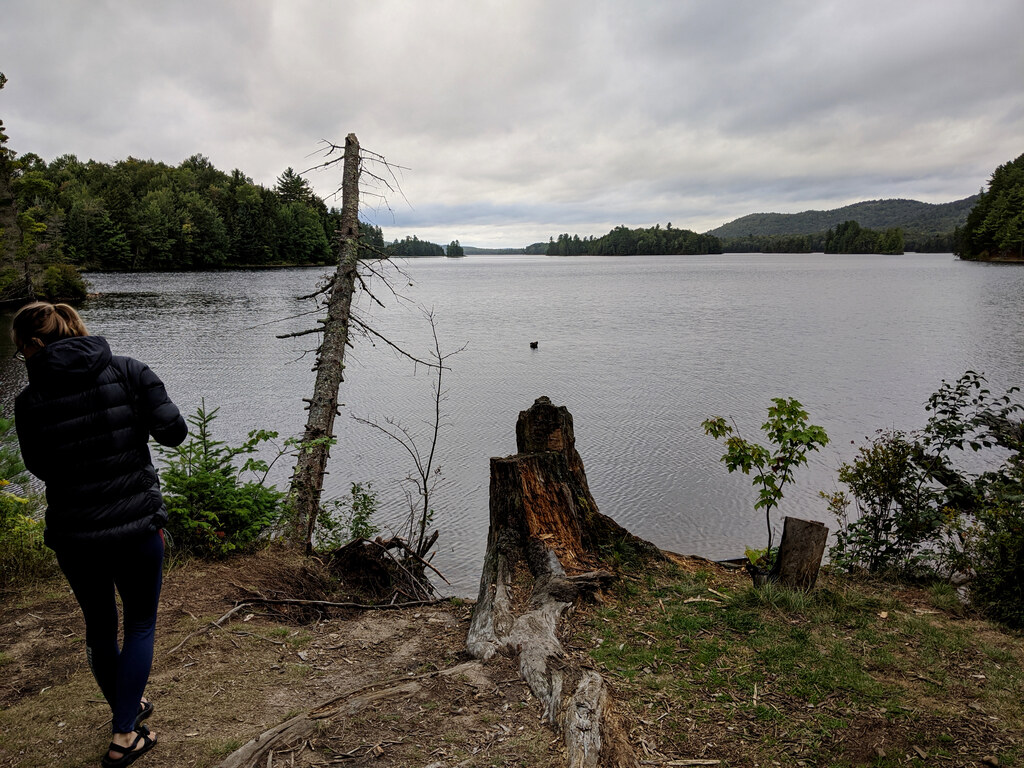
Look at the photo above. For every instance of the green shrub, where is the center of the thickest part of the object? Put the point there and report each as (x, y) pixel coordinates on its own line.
(997, 550)
(211, 511)
(12, 283)
(22, 553)
(23, 556)
(918, 509)
(62, 282)
(897, 509)
(342, 520)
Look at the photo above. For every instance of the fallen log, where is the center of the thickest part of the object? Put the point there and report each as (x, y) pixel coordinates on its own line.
(543, 521)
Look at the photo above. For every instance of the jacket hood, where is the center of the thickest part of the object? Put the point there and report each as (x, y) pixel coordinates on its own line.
(68, 363)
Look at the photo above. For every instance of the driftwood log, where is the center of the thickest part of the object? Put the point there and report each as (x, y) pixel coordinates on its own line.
(800, 552)
(544, 552)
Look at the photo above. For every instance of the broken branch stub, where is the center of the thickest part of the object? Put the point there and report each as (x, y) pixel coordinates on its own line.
(544, 522)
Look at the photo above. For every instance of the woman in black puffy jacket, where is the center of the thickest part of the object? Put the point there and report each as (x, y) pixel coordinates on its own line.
(84, 423)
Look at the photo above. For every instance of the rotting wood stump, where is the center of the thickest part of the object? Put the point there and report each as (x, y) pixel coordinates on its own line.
(544, 552)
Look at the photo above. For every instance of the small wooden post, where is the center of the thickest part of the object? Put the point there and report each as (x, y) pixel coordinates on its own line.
(800, 553)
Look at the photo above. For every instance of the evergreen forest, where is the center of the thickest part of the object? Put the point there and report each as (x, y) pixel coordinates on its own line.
(851, 237)
(994, 230)
(623, 241)
(146, 215)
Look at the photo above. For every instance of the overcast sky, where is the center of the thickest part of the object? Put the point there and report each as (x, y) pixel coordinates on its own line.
(521, 119)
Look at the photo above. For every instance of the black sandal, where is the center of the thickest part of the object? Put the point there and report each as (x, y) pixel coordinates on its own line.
(129, 754)
(145, 710)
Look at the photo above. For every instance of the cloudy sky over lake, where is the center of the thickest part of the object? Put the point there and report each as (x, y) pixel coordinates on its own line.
(519, 120)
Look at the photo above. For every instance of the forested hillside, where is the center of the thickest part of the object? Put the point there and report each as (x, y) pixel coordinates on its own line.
(995, 227)
(909, 215)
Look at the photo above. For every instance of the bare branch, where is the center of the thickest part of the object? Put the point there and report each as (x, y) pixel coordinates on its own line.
(282, 319)
(390, 343)
(399, 542)
(403, 440)
(366, 289)
(299, 333)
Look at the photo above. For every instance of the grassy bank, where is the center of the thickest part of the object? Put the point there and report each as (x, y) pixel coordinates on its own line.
(852, 674)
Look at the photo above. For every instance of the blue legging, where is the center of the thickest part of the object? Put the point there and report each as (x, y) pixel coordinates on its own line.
(135, 568)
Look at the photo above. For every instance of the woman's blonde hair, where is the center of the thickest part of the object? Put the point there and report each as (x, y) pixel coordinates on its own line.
(45, 323)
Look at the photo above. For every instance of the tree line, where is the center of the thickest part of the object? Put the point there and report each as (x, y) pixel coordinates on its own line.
(61, 217)
(146, 215)
(815, 243)
(851, 237)
(995, 226)
(622, 241)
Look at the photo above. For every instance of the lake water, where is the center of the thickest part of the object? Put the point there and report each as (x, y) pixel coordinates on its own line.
(640, 350)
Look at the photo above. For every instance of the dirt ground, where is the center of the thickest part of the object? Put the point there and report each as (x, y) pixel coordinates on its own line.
(214, 689)
(392, 688)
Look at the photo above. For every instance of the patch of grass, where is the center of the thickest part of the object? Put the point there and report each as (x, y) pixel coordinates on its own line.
(297, 671)
(226, 748)
(839, 670)
(944, 597)
(298, 639)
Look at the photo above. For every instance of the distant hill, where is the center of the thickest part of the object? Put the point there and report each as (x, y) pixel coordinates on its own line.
(908, 215)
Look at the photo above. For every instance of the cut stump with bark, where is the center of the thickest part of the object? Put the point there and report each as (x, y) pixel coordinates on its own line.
(800, 552)
(545, 549)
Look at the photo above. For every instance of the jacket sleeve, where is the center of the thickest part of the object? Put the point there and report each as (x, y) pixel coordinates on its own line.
(163, 419)
(25, 429)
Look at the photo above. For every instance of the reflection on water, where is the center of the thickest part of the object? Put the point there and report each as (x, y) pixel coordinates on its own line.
(640, 349)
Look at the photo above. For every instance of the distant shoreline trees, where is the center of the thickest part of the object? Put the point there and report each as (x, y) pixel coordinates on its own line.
(994, 229)
(623, 241)
(138, 215)
(851, 237)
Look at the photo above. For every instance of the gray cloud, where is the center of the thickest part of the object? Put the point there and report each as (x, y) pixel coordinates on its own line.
(522, 120)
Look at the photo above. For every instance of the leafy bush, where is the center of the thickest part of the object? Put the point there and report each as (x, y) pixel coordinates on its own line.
(22, 553)
(897, 509)
(62, 282)
(918, 508)
(12, 282)
(996, 548)
(343, 520)
(211, 511)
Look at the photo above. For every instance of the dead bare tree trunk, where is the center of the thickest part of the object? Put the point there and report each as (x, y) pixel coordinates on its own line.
(543, 521)
(310, 467)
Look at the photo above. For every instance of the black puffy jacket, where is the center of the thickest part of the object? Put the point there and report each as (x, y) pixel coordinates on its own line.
(84, 422)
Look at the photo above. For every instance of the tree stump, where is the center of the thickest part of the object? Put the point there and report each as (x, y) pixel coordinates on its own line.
(543, 522)
(800, 553)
